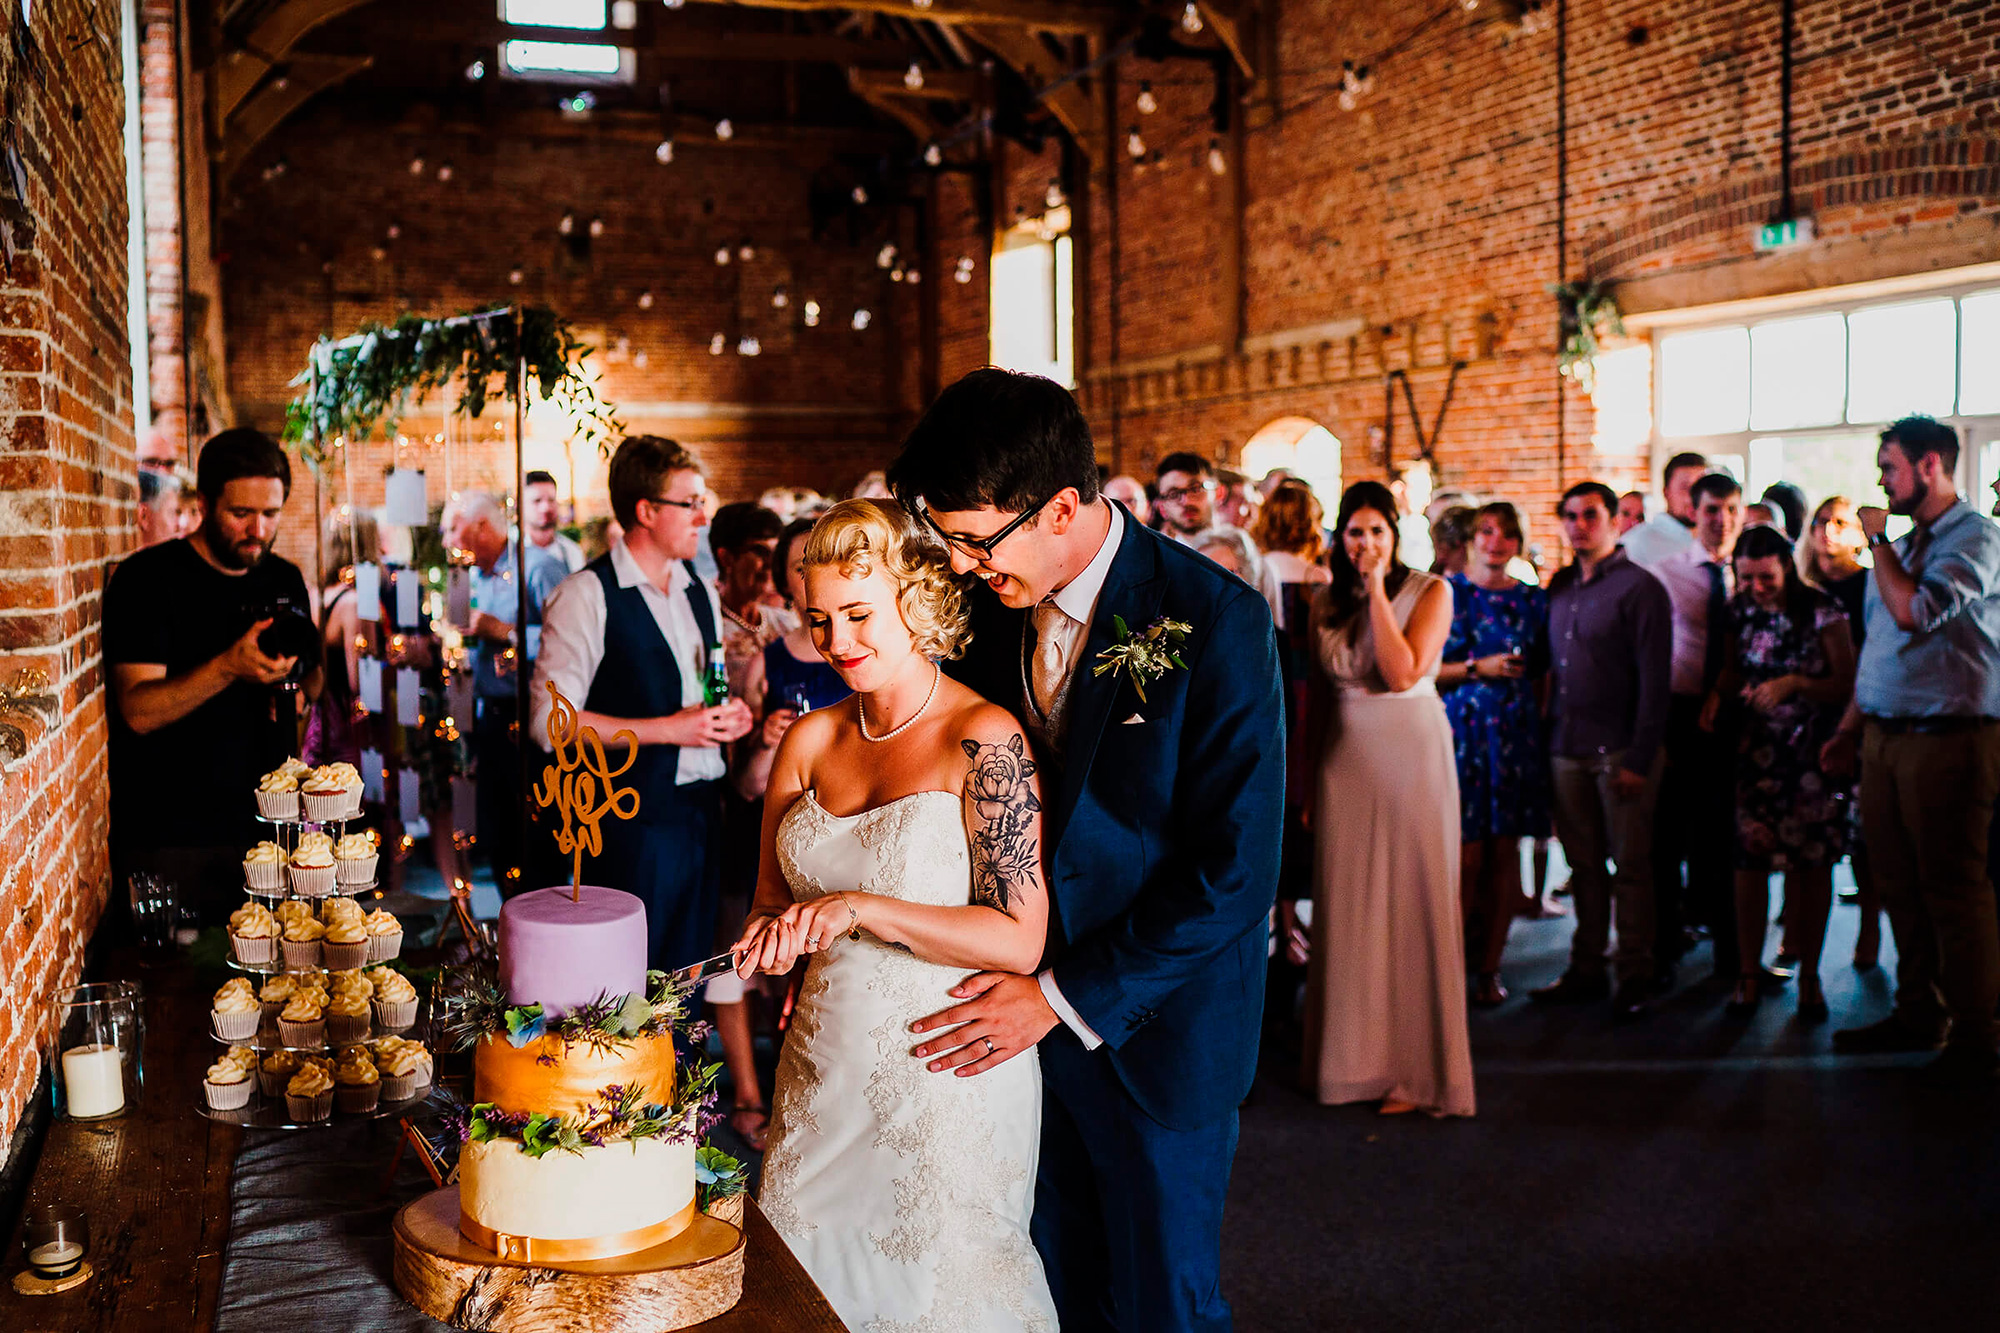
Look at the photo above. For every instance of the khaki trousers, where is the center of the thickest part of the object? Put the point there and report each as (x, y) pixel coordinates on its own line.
(1596, 826)
(1926, 808)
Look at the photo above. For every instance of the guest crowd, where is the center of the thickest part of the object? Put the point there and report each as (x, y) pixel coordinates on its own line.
(1704, 696)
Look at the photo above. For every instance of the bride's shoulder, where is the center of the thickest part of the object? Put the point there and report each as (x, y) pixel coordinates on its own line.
(972, 717)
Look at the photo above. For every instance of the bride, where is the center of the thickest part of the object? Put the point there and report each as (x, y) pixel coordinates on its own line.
(902, 852)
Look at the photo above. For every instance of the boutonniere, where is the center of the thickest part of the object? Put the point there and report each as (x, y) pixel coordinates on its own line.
(1146, 656)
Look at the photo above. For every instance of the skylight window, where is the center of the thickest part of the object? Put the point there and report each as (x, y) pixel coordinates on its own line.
(564, 60)
(580, 14)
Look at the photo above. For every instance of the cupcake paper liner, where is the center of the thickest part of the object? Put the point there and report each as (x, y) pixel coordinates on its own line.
(235, 1026)
(254, 949)
(357, 1098)
(352, 809)
(384, 948)
(229, 1096)
(278, 804)
(301, 953)
(302, 1034)
(357, 869)
(399, 1087)
(272, 1085)
(309, 1108)
(398, 1014)
(312, 881)
(342, 957)
(346, 1029)
(265, 876)
(325, 807)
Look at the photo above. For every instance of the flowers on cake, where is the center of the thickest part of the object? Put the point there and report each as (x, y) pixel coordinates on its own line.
(264, 867)
(622, 1113)
(253, 934)
(235, 1012)
(473, 1004)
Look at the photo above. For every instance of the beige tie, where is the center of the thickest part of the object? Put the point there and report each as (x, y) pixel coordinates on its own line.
(1050, 673)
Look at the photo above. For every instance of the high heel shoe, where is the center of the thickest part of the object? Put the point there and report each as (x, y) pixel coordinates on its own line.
(1812, 1001)
(1487, 991)
(1749, 994)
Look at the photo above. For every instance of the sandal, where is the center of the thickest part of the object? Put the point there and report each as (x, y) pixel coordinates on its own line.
(753, 1122)
(1487, 991)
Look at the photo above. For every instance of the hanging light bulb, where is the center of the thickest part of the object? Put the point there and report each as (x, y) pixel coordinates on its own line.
(921, 4)
(663, 152)
(717, 345)
(444, 171)
(933, 155)
(886, 256)
(1355, 82)
(721, 255)
(724, 129)
(895, 275)
(1217, 163)
(748, 347)
(746, 252)
(913, 77)
(1148, 103)
(567, 225)
(1191, 19)
(640, 359)
(597, 226)
(912, 277)
(861, 320)
(1055, 198)
(675, 4)
(1134, 145)
(646, 299)
(780, 298)
(476, 70)
(416, 166)
(859, 194)
(395, 231)
(812, 314)
(962, 274)
(378, 254)
(515, 277)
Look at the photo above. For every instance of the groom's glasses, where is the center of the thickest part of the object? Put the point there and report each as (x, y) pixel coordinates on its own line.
(979, 548)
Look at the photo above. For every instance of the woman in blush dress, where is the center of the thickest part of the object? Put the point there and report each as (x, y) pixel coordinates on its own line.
(1386, 993)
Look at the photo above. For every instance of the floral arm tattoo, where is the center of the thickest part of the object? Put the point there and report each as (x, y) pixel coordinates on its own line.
(1000, 822)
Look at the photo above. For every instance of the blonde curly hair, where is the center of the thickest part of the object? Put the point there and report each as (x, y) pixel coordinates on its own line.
(855, 536)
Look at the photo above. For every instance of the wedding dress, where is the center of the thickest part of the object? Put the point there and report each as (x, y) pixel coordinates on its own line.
(905, 1193)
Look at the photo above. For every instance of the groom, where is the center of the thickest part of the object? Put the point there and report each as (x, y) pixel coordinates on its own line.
(1161, 818)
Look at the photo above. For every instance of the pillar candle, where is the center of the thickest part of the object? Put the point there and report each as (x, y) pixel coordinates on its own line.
(93, 1080)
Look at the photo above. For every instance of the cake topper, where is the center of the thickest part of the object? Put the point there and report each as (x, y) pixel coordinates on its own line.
(579, 784)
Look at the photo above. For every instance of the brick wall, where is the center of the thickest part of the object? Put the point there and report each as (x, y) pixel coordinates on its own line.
(66, 495)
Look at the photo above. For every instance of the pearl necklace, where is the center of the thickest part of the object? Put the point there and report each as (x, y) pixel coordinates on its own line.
(861, 710)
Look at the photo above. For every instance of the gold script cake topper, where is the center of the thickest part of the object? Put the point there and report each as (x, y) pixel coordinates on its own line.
(580, 786)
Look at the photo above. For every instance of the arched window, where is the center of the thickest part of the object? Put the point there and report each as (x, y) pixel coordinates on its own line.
(1309, 450)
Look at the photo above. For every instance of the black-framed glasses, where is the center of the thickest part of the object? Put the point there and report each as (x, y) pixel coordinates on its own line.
(1188, 492)
(979, 548)
(674, 504)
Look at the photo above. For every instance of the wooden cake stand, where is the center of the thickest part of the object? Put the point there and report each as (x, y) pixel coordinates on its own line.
(693, 1277)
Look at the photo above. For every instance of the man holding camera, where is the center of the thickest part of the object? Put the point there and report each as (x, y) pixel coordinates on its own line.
(208, 638)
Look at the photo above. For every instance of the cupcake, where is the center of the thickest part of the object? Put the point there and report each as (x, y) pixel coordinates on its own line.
(346, 944)
(253, 935)
(302, 1022)
(404, 1067)
(242, 1055)
(276, 991)
(347, 1018)
(290, 910)
(276, 1070)
(357, 1084)
(354, 858)
(228, 1085)
(340, 909)
(351, 982)
(235, 1013)
(295, 767)
(325, 796)
(309, 1095)
(264, 867)
(395, 1000)
(302, 942)
(385, 936)
(278, 795)
(312, 871)
(350, 781)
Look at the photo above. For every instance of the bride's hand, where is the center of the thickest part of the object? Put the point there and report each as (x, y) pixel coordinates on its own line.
(768, 945)
(819, 921)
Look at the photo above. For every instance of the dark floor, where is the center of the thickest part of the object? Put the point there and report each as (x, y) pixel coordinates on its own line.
(1684, 1172)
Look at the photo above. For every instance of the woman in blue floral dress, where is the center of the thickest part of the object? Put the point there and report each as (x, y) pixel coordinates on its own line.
(1789, 668)
(1493, 659)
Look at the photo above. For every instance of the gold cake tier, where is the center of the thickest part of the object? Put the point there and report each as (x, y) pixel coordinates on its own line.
(548, 1077)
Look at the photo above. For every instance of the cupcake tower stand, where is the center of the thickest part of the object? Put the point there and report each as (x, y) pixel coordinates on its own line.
(270, 1112)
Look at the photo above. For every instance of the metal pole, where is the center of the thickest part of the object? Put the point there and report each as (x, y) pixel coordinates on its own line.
(1562, 225)
(521, 681)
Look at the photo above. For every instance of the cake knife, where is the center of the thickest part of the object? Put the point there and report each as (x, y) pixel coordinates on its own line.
(696, 973)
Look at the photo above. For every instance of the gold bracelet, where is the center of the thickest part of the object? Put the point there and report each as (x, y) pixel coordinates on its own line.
(853, 918)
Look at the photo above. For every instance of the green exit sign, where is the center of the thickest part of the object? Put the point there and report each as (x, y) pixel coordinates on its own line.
(1784, 234)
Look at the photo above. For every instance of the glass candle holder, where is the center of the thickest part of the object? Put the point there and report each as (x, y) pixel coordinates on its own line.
(91, 1042)
(56, 1237)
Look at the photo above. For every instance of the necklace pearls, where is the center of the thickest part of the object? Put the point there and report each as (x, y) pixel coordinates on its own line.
(861, 710)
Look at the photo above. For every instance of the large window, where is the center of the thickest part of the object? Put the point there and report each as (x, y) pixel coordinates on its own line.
(1033, 317)
(562, 62)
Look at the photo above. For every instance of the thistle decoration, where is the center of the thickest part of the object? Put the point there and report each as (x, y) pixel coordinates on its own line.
(1146, 656)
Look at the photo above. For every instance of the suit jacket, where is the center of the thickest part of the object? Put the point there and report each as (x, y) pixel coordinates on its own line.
(1164, 832)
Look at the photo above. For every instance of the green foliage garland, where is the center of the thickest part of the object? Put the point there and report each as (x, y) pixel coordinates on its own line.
(1589, 315)
(353, 385)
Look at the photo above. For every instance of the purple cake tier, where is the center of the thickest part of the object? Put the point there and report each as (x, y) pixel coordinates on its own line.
(562, 954)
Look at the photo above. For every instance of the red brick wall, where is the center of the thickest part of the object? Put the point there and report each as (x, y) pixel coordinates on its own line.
(66, 495)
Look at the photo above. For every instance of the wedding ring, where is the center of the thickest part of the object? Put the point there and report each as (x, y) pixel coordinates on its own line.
(812, 942)
(989, 1044)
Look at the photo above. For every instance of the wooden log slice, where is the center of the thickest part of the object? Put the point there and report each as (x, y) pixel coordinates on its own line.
(693, 1277)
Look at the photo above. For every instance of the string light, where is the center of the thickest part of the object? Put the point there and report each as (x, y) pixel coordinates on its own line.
(1148, 103)
(746, 252)
(597, 226)
(1537, 18)
(646, 299)
(895, 275)
(1355, 83)
(725, 129)
(476, 70)
(567, 225)
(1134, 145)
(717, 344)
(861, 320)
(1191, 19)
(933, 155)
(444, 171)
(416, 166)
(378, 254)
(912, 277)
(395, 231)
(721, 255)
(886, 256)
(515, 277)
(913, 77)
(663, 153)
(859, 194)
(780, 298)
(812, 314)
(1055, 197)
(1217, 163)
(962, 274)
(748, 347)
(640, 359)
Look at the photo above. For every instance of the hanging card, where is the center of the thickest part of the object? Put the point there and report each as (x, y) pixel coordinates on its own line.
(409, 594)
(403, 498)
(371, 684)
(458, 595)
(372, 778)
(411, 802)
(465, 806)
(409, 697)
(368, 591)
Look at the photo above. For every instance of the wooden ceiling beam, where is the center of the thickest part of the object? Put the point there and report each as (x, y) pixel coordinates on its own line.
(1233, 23)
(305, 76)
(267, 45)
(939, 85)
(1027, 57)
(688, 130)
(651, 37)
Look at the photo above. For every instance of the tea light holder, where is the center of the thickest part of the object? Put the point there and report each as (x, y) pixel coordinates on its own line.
(91, 1042)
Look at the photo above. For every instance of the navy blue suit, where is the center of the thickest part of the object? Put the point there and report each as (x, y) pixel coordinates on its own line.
(1164, 836)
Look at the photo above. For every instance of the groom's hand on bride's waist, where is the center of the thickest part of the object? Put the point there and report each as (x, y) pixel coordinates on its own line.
(1004, 1014)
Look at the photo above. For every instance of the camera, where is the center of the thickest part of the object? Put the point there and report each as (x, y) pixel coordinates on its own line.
(291, 632)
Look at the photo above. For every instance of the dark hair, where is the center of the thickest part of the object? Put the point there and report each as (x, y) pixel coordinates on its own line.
(1675, 464)
(1718, 484)
(999, 438)
(539, 478)
(1506, 515)
(1917, 436)
(1640, 496)
(1453, 528)
(639, 468)
(1761, 543)
(1183, 461)
(1604, 494)
(736, 526)
(1347, 591)
(1289, 521)
(781, 554)
(1791, 501)
(155, 482)
(236, 454)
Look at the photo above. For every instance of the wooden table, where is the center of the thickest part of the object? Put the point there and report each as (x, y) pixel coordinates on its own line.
(155, 1183)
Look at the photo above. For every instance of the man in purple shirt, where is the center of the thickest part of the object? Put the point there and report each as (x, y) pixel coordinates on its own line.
(1611, 644)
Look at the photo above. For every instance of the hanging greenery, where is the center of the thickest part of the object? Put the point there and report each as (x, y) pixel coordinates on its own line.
(354, 385)
(1589, 316)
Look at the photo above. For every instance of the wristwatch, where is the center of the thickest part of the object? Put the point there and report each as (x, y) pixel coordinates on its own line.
(1878, 539)
(1472, 668)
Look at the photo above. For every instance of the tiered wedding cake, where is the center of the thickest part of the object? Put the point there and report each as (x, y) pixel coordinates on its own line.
(575, 1153)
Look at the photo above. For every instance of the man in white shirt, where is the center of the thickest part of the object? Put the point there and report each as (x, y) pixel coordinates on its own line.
(628, 642)
(1695, 821)
(1663, 534)
(540, 510)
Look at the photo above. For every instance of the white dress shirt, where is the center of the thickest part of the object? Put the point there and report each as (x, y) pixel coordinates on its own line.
(1686, 578)
(1657, 538)
(1077, 600)
(573, 647)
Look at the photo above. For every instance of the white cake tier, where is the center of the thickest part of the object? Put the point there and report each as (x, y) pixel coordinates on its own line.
(608, 1191)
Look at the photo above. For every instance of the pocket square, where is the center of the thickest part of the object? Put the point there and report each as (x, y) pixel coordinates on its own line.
(1132, 721)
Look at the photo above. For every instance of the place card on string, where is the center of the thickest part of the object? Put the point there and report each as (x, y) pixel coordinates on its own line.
(369, 687)
(409, 697)
(403, 498)
(372, 776)
(465, 806)
(410, 806)
(409, 599)
(368, 591)
(458, 595)
(459, 704)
